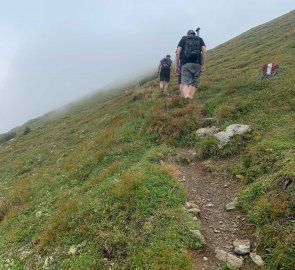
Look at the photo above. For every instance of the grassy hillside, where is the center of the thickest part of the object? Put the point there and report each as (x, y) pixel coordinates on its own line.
(91, 179)
(90, 188)
(232, 92)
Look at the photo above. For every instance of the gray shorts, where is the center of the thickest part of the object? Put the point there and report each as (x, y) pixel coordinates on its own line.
(190, 74)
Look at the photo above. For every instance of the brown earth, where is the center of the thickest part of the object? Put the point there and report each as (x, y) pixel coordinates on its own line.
(219, 227)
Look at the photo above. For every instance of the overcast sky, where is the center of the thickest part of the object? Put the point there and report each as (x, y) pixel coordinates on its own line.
(53, 52)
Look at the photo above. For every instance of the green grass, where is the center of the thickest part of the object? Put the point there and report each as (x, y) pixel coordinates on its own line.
(227, 267)
(93, 173)
(235, 94)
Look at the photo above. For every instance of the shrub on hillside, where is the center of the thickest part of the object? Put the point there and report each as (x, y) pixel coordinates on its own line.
(259, 161)
(226, 111)
(5, 137)
(173, 120)
(207, 147)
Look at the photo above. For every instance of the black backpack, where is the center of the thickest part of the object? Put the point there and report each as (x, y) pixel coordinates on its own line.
(166, 63)
(192, 50)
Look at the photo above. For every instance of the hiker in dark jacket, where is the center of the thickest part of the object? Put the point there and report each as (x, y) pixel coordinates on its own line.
(193, 50)
(164, 70)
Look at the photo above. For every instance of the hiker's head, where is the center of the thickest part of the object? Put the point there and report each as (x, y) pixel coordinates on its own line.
(191, 33)
(168, 56)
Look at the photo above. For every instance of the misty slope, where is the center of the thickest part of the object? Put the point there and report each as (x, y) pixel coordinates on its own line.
(85, 189)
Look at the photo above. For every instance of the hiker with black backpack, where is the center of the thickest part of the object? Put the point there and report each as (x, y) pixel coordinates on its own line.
(193, 51)
(164, 70)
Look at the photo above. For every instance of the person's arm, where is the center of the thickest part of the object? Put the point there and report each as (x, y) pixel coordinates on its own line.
(177, 57)
(159, 68)
(203, 58)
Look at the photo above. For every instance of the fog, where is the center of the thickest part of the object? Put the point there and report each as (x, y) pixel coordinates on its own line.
(54, 52)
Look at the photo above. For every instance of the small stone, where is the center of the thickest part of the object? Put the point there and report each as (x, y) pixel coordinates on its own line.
(242, 247)
(162, 162)
(207, 131)
(205, 259)
(194, 211)
(24, 254)
(229, 258)
(239, 176)
(191, 205)
(199, 235)
(256, 259)
(210, 205)
(38, 214)
(225, 186)
(73, 250)
(48, 262)
(232, 205)
(216, 231)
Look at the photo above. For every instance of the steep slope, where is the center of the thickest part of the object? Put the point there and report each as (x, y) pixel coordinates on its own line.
(89, 188)
(232, 92)
(85, 190)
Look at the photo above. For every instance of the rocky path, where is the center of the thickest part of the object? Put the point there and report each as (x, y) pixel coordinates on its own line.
(220, 227)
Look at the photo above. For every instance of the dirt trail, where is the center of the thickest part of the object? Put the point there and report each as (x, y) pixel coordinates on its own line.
(219, 227)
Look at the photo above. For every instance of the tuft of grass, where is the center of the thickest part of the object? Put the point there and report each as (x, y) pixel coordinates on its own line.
(207, 147)
(173, 120)
(227, 267)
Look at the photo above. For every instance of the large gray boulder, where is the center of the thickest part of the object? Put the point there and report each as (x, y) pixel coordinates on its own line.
(234, 129)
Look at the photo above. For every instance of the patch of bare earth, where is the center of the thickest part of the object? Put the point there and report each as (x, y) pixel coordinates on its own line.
(219, 227)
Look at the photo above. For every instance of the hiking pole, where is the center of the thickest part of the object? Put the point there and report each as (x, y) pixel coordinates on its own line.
(198, 31)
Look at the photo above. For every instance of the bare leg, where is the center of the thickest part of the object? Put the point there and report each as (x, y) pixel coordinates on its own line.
(192, 91)
(186, 91)
(166, 87)
(162, 87)
(189, 91)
